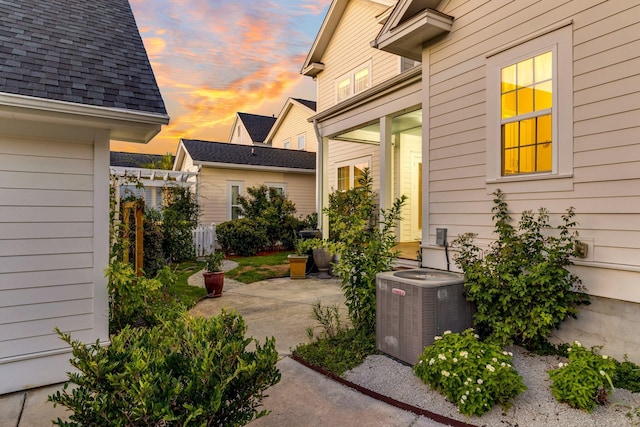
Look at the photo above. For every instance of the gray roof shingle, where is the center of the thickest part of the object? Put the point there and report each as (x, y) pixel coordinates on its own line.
(79, 51)
(257, 126)
(133, 160)
(252, 155)
(307, 103)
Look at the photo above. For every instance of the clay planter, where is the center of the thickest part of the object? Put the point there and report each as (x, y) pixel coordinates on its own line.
(297, 266)
(214, 282)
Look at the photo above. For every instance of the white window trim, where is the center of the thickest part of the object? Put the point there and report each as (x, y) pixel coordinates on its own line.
(287, 143)
(230, 184)
(351, 163)
(280, 185)
(304, 141)
(352, 78)
(560, 42)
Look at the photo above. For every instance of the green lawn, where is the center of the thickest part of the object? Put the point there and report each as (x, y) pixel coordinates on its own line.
(260, 267)
(185, 293)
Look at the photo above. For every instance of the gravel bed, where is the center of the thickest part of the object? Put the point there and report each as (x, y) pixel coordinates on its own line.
(534, 407)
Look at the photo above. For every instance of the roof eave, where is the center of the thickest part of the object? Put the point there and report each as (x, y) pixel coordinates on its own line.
(329, 24)
(220, 165)
(408, 38)
(124, 125)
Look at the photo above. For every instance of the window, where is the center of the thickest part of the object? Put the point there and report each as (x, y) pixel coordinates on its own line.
(152, 195)
(287, 143)
(302, 141)
(234, 189)
(348, 173)
(526, 105)
(354, 82)
(280, 187)
(529, 132)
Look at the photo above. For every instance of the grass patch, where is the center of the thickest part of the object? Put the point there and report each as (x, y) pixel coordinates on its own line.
(339, 353)
(260, 267)
(183, 292)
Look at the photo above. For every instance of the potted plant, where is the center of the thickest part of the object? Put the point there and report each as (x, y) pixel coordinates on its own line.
(323, 251)
(298, 261)
(213, 274)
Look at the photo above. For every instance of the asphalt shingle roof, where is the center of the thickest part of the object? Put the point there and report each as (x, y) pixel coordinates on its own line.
(221, 152)
(257, 126)
(133, 160)
(80, 51)
(307, 103)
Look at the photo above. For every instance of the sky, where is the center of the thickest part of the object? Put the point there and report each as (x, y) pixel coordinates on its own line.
(214, 58)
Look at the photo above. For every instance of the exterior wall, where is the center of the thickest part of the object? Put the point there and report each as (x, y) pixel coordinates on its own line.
(342, 151)
(53, 247)
(350, 48)
(214, 198)
(294, 124)
(243, 138)
(604, 183)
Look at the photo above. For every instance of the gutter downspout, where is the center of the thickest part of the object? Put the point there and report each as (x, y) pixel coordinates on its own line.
(321, 169)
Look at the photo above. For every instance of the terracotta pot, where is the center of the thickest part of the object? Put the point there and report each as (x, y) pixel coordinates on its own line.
(297, 266)
(322, 258)
(214, 282)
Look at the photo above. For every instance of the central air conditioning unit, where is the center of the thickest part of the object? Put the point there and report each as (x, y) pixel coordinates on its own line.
(413, 306)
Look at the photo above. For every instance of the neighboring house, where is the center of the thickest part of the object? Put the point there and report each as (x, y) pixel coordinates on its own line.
(131, 168)
(292, 129)
(250, 129)
(538, 99)
(227, 170)
(73, 76)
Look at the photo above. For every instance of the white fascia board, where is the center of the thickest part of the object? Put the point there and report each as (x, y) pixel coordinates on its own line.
(219, 165)
(124, 125)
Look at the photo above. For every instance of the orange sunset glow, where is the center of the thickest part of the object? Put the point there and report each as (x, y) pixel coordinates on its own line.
(214, 58)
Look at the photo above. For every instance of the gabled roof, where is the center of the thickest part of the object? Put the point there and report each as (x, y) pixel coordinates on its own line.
(303, 103)
(257, 126)
(76, 51)
(133, 160)
(228, 155)
(411, 24)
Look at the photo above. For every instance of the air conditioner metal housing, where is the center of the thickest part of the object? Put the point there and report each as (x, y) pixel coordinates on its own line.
(413, 306)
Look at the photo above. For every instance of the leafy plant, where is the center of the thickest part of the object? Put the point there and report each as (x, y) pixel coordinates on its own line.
(273, 212)
(627, 375)
(179, 219)
(193, 371)
(472, 374)
(153, 238)
(243, 237)
(213, 261)
(521, 286)
(585, 380)
(365, 247)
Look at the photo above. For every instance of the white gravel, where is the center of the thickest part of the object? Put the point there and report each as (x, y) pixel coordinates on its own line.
(534, 407)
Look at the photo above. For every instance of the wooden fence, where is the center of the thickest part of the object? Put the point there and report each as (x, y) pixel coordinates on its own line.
(204, 239)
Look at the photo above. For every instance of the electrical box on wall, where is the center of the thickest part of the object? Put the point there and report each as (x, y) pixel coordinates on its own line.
(441, 236)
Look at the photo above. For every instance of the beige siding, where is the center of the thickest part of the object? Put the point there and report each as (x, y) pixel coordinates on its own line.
(605, 186)
(296, 123)
(341, 152)
(240, 137)
(214, 198)
(350, 47)
(46, 244)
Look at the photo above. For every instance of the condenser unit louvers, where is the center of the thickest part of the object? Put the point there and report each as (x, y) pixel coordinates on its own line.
(413, 306)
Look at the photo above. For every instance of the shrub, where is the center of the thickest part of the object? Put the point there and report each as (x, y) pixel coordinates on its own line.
(153, 238)
(138, 301)
(272, 211)
(179, 219)
(471, 374)
(365, 248)
(521, 286)
(243, 237)
(627, 375)
(584, 381)
(187, 372)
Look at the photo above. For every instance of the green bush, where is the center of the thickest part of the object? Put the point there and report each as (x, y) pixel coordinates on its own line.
(365, 247)
(272, 211)
(243, 237)
(179, 219)
(584, 381)
(138, 301)
(521, 285)
(153, 237)
(186, 372)
(627, 375)
(471, 374)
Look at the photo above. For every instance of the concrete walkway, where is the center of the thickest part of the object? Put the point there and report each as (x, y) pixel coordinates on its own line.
(280, 308)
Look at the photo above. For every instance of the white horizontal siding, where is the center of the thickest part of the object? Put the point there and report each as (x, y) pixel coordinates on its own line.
(17, 230)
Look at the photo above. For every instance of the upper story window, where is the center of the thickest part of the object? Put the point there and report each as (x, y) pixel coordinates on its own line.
(287, 143)
(354, 82)
(529, 131)
(526, 107)
(302, 143)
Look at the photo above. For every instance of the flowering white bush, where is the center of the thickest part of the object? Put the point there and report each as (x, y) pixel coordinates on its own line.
(471, 374)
